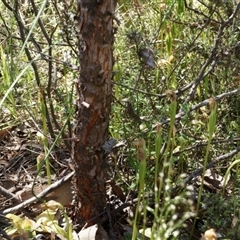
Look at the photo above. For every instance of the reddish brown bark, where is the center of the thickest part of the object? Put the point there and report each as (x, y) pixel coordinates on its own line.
(94, 89)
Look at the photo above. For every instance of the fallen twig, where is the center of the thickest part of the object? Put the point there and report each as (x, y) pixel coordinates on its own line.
(8, 194)
(211, 164)
(38, 196)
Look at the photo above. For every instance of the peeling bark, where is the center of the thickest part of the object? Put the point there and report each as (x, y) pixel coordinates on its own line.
(94, 89)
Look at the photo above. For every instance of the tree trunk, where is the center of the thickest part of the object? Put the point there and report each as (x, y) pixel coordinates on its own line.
(94, 89)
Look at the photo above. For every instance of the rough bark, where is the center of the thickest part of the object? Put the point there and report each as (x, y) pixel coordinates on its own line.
(93, 106)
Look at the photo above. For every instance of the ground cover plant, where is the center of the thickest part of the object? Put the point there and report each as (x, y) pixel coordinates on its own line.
(174, 171)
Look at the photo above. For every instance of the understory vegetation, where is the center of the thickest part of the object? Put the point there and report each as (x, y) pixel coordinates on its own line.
(175, 116)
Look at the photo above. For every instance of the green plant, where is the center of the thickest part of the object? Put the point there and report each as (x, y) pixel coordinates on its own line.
(46, 222)
(21, 227)
(222, 213)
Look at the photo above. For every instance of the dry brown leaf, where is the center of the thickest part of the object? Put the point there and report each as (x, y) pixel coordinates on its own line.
(212, 180)
(62, 194)
(117, 191)
(6, 132)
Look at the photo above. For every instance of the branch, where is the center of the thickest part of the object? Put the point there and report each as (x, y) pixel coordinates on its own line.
(39, 196)
(8, 194)
(211, 60)
(204, 144)
(201, 104)
(211, 164)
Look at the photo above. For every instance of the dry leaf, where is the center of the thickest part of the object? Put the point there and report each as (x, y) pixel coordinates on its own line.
(211, 234)
(94, 232)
